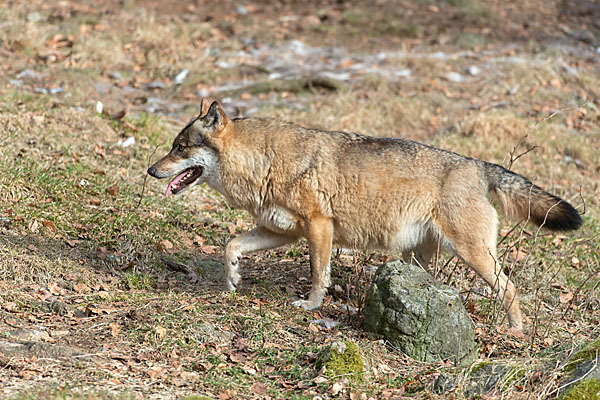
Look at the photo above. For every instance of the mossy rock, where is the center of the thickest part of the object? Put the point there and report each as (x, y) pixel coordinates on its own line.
(588, 353)
(343, 359)
(587, 390)
(426, 320)
(486, 376)
(581, 368)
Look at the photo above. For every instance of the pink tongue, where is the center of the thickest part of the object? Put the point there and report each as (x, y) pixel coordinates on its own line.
(175, 182)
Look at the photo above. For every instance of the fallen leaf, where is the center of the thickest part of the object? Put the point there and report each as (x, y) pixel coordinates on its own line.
(238, 357)
(115, 329)
(160, 331)
(49, 225)
(227, 394)
(565, 297)
(102, 253)
(71, 243)
(336, 388)
(27, 374)
(100, 150)
(81, 287)
(156, 372)
(165, 245)
(33, 226)
(208, 249)
(55, 288)
(10, 306)
(258, 388)
(112, 190)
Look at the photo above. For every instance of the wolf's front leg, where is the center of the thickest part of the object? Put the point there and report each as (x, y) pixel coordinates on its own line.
(319, 234)
(257, 239)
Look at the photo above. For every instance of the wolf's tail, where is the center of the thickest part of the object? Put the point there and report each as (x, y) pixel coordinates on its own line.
(519, 197)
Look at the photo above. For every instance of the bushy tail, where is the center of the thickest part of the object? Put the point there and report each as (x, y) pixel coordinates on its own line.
(519, 197)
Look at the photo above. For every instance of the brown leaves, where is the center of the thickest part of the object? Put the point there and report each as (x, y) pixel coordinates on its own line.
(165, 246)
(156, 372)
(258, 388)
(161, 332)
(565, 297)
(115, 329)
(51, 226)
(113, 190)
(81, 287)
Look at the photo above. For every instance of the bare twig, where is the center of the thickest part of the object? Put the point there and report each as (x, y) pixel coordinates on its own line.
(146, 175)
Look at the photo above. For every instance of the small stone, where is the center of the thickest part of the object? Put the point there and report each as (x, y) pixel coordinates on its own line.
(455, 77)
(473, 70)
(27, 73)
(154, 85)
(404, 73)
(34, 17)
(180, 78)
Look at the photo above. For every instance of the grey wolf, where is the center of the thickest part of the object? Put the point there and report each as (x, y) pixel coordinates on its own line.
(355, 191)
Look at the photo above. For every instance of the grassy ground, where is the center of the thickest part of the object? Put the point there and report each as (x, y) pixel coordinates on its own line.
(120, 289)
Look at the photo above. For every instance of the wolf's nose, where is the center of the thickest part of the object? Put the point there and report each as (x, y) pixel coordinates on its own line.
(152, 171)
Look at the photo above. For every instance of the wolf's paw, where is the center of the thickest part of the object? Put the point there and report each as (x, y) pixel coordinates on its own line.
(307, 304)
(231, 283)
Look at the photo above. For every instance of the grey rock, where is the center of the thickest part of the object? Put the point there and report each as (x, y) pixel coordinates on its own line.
(444, 383)
(27, 73)
(582, 366)
(209, 333)
(155, 85)
(487, 376)
(325, 323)
(210, 269)
(115, 75)
(455, 77)
(37, 349)
(424, 319)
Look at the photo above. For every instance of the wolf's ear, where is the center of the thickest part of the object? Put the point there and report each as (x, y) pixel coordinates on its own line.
(216, 118)
(204, 105)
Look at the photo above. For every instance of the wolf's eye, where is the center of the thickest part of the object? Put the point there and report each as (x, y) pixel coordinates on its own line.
(180, 148)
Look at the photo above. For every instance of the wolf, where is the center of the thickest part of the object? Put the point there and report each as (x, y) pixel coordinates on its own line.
(355, 191)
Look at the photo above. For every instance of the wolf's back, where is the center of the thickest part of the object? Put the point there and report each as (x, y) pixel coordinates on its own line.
(519, 197)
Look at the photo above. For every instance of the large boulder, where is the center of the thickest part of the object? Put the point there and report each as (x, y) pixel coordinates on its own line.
(421, 317)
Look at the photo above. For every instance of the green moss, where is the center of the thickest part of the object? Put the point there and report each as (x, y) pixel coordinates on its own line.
(479, 366)
(343, 359)
(589, 352)
(587, 390)
(515, 374)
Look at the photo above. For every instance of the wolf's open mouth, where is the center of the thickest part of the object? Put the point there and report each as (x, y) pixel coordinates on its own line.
(183, 180)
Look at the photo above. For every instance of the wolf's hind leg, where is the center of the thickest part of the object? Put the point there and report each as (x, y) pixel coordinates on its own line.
(257, 239)
(319, 234)
(472, 230)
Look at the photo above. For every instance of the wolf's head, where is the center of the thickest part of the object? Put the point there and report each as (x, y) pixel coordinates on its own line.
(194, 157)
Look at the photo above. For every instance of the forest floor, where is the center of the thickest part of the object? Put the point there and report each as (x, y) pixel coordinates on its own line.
(109, 290)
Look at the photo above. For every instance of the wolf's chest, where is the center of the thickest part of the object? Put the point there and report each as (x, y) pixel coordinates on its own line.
(277, 219)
